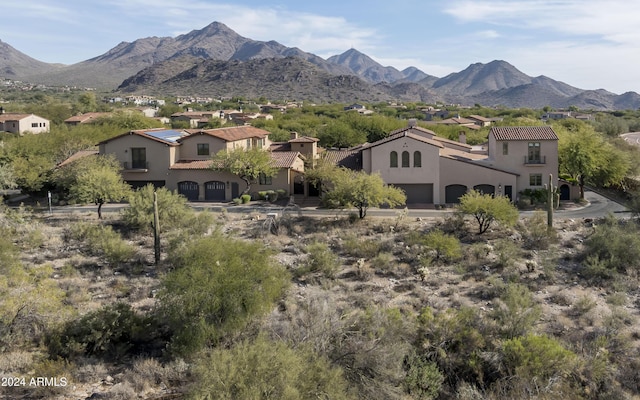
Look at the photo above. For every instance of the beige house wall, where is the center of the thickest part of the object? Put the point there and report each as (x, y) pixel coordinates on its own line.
(159, 157)
(470, 175)
(24, 125)
(514, 160)
(189, 147)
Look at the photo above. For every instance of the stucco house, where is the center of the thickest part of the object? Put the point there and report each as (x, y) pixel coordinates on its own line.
(181, 160)
(434, 170)
(23, 123)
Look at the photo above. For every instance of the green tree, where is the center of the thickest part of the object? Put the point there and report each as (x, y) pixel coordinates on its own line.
(587, 157)
(173, 210)
(266, 369)
(217, 286)
(487, 209)
(248, 165)
(98, 181)
(7, 179)
(358, 189)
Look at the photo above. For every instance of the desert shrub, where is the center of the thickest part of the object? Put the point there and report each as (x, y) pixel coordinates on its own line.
(355, 246)
(616, 244)
(507, 253)
(111, 332)
(537, 234)
(446, 247)
(101, 240)
(265, 369)
(455, 340)
(237, 201)
(516, 312)
(583, 305)
(383, 262)
(173, 210)
(537, 356)
(217, 285)
(423, 379)
(245, 198)
(321, 259)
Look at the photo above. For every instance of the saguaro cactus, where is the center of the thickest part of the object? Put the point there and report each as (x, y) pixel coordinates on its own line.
(550, 191)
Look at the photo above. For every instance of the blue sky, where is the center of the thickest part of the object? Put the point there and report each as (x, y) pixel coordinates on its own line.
(588, 44)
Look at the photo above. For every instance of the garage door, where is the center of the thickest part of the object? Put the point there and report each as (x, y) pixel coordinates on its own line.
(486, 189)
(418, 193)
(189, 189)
(214, 191)
(452, 193)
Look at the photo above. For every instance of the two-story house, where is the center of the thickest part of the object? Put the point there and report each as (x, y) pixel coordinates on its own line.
(181, 160)
(434, 170)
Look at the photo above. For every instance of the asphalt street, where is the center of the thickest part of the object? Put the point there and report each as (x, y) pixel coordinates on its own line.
(598, 206)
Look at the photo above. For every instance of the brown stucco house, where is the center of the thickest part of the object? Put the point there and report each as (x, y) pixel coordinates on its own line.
(434, 170)
(181, 160)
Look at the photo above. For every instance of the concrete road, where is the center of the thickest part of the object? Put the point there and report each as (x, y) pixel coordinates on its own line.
(632, 138)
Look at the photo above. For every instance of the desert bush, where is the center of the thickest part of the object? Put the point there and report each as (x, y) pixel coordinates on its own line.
(354, 246)
(535, 356)
(266, 369)
(112, 332)
(245, 198)
(537, 234)
(101, 240)
(217, 285)
(455, 340)
(516, 312)
(616, 244)
(383, 262)
(507, 253)
(423, 379)
(446, 247)
(320, 258)
(173, 210)
(583, 305)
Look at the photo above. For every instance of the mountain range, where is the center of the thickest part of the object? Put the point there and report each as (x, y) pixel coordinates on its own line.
(216, 61)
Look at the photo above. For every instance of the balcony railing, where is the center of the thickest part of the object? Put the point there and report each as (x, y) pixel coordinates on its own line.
(539, 160)
(141, 166)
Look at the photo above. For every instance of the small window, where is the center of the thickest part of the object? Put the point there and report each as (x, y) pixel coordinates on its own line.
(138, 157)
(393, 159)
(264, 180)
(505, 149)
(405, 159)
(203, 149)
(535, 179)
(417, 159)
(34, 124)
(248, 144)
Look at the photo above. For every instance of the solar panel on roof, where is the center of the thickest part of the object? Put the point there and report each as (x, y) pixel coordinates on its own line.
(167, 135)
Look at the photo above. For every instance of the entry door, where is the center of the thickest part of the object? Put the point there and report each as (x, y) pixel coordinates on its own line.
(235, 190)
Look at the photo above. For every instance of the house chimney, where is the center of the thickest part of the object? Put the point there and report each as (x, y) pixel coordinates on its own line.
(462, 137)
(412, 122)
(294, 135)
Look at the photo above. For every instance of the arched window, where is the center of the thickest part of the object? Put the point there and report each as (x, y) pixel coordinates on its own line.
(405, 159)
(393, 159)
(417, 159)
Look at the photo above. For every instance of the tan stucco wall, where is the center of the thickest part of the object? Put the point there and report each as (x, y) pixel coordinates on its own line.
(467, 174)
(189, 148)
(159, 156)
(24, 125)
(515, 160)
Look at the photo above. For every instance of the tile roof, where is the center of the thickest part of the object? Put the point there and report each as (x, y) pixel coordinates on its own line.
(78, 155)
(523, 133)
(284, 159)
(230, 134)
(281, 159)
(479, 160)
(419, 130)
(304, 139)
(192, 164)
(13, 116)
(405, 133)
(80, 118)
(479, 118)
(344, 158)
(153, 134)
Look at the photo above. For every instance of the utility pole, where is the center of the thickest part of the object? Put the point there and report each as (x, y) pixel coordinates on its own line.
(156, 229)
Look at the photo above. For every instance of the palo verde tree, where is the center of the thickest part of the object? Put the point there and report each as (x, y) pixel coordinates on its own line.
(348, 188)
(248, 165)
(487, 209)
(587, 157)
(97, 180)
(217, 286)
